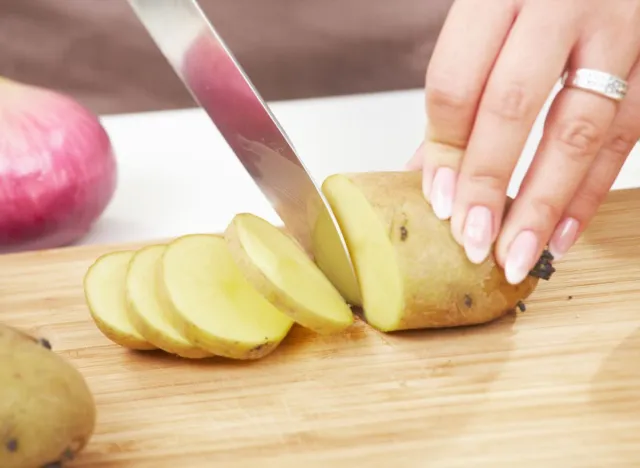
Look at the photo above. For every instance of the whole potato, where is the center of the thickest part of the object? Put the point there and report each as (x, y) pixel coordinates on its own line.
(47, 412)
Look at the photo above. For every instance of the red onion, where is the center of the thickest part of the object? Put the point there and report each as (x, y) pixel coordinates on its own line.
(57, 168)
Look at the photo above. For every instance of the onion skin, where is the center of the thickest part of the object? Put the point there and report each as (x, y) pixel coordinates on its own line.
(58, 172)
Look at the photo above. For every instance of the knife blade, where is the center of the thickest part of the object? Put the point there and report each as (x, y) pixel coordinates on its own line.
(217, 82)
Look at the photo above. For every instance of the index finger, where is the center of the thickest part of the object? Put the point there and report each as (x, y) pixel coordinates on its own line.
(467, 47)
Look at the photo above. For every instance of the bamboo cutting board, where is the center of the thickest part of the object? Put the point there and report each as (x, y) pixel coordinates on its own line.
(558, 384)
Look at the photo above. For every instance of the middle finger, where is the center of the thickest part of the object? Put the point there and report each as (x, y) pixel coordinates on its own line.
(528, 67)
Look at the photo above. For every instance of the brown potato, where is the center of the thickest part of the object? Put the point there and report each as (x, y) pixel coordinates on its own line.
(47, 412)
(412, 273)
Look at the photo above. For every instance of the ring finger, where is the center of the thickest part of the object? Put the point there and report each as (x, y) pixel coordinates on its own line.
(622, 137)
(574, 132)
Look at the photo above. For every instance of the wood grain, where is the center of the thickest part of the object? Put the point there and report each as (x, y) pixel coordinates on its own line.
(558, 384)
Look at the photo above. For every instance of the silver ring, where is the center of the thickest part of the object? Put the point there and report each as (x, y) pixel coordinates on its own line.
(595, 81)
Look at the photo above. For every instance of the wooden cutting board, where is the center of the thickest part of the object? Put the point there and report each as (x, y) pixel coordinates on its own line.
(558, 384)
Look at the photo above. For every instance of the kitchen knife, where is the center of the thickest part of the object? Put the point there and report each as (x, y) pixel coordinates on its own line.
(216, 81)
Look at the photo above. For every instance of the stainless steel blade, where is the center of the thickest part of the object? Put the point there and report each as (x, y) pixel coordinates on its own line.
(218, 84)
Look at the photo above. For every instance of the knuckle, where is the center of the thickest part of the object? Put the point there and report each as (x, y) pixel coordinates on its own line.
(510, 102)
(589, 197)
(438, 154)
(489, 179)
(578, 136)
(443, 97)
(620, 142)
(546, 210)
(450, 111)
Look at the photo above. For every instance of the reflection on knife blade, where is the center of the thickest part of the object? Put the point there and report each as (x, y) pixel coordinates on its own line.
(216, 81)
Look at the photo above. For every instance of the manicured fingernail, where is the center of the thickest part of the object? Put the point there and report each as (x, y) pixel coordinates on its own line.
(442, 190)
(477, 235)
(564, 237)
(521, 257)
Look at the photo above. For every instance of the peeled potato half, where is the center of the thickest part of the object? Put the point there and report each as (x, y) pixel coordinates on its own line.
(277, 266)
(147, 313)
(214, 306)
(104, 289)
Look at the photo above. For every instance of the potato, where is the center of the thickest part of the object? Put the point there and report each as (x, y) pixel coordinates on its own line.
(104, 289)
(47, 412)
(412, 273)
(213, 305)
(278, 267)
(147, 313)
(327, 253)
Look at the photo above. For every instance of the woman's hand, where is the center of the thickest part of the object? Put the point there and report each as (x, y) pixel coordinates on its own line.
(491, 72)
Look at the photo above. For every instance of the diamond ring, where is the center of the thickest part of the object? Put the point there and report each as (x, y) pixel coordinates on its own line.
(596, 81)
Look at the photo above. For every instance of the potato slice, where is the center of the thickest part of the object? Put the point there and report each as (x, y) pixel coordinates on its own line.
(411, 271)
(214, 305)
(277, 266)
(147, 313)
(104, 290)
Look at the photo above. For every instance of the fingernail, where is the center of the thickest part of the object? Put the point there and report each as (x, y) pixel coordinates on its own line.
(521, 257)
(442, 190)
(564, 237)
(477, 236)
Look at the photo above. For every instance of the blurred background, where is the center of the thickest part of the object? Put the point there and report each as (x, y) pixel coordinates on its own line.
(96, 50)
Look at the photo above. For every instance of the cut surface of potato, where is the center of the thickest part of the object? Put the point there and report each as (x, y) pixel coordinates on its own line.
(104, 289)
(215, 307)
(327, 253)
(277, 266)
(147, 313)
(411, 271)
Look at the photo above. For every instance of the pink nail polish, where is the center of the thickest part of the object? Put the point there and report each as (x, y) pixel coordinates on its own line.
(442, 190)
(564, 237)
(477, 234)
(521, 257)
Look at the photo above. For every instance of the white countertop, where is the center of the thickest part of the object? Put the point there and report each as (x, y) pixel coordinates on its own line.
(178, 176)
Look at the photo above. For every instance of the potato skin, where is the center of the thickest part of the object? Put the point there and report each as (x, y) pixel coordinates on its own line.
(252, 273)
(47, 412)
(131, 340)
(441, 287)
(171, 343)
(209, 245)
(164, 343)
